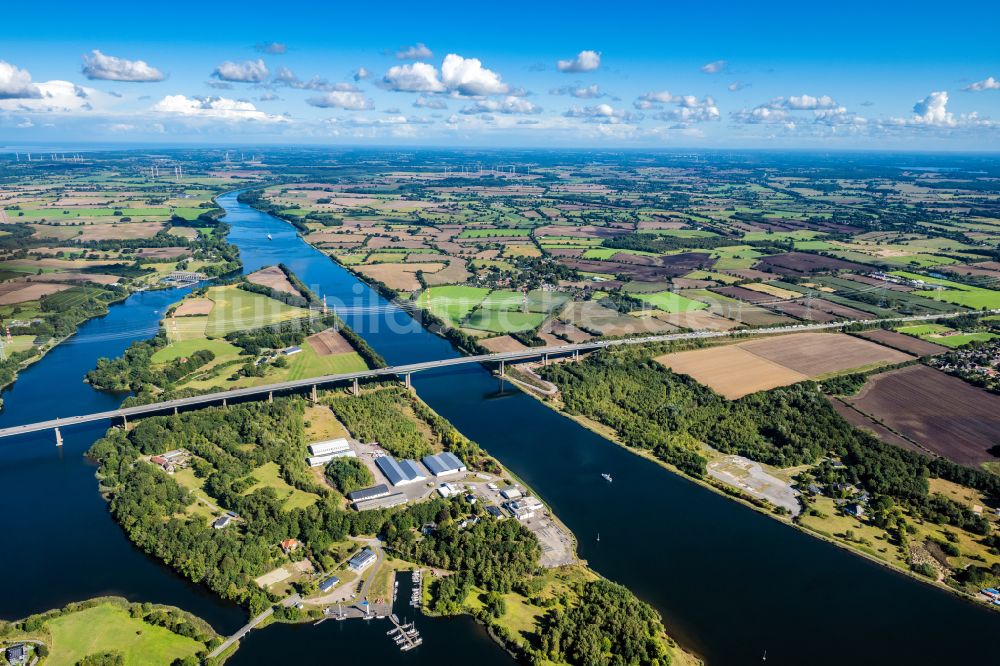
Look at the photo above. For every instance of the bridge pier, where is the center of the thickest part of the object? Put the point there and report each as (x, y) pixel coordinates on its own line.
(224, 403)
(124, 422)
(270, 397)
(545, 359)
(501, 368)
(576, 354)
(356, 389)
(59, 439)
(314, 395)
(406, 380)
(175, 411)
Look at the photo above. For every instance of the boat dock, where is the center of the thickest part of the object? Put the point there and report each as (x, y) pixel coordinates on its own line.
(405, 636)
(416, 593)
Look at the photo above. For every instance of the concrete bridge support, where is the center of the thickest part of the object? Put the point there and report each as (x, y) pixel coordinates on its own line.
(225, 403)
(501, 368)
(124, 422)
(270, 397)
(406, 380)
(314, 395)
(59, 439)
(356, 388)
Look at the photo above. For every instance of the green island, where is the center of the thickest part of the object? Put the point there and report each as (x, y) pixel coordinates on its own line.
(110, 631)
(73, 243)
(225, 497)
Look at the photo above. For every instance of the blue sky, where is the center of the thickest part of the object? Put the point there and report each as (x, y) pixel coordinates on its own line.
(658, 74)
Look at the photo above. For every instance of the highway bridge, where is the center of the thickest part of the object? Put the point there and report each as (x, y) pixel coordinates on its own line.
(404, 372)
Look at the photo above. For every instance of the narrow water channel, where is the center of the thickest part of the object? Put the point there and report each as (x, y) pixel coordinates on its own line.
(729, 582)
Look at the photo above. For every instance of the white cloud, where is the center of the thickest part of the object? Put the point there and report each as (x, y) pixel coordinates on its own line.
(272, 48)
(602, 113)
(580, 92)
(714, 67)
(655, 99)
(989, 83)
(361, 74)
(585, 61)
(109, 68)
(736, 86)
(933, 111)
(418, 77)
(61, 97)
(458, 75)
(353, 101)
(807, 102)
(690, 110)
(416, 52)
(508, 105)
(425, 102)
(250, 71)
(213, 108)
(286, 77)
(15, 83)
(467, 76)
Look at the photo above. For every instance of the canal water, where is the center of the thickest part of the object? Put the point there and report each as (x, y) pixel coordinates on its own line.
(729, 582)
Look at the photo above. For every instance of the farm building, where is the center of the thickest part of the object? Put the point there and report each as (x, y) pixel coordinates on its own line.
(401, 472)
(289, 351)
(222, 522)
(444, 463)
(329, 446)
(318, 461)
(362, 560)
(328, 584)
(381, 490)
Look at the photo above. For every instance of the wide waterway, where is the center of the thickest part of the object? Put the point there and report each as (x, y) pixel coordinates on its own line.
(730, 582)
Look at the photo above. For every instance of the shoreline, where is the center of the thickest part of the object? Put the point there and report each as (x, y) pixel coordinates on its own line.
(605, 433)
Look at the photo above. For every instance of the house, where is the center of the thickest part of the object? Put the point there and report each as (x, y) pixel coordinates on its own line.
(328, 584)
(17, 654)
(362, 560)
(855, 509)
(289, 351)
(494, 511)
(288, 545)
(222, 522)
(443, 464)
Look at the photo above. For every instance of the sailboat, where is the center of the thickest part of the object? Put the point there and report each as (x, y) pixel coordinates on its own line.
(598, 537)
(269, 237)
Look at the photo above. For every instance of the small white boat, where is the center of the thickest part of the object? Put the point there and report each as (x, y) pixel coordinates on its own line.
(269, 237)
(607, 477)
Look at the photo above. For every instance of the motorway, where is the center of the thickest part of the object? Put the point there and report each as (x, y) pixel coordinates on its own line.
(404, 371)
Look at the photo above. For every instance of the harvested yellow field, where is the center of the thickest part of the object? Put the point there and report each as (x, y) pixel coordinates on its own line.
(765, 363)
(731, 371)
(772, 290)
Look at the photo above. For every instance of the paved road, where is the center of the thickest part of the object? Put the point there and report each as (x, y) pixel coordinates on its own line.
(406, 370)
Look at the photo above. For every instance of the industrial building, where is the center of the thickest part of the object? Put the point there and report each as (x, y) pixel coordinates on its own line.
(443, 464)
(376, 497)
(510, 493)
(400, 472)
(362, 560)
(324, 452)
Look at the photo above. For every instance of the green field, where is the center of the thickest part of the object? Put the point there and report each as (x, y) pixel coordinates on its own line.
(494, 233)
(923, 329)
(237, 310)
(451, 303)
(185, 348)
(308, 363)
(608, 252)
(268, 475)
(107, 628)
(960, 339)
(671, 302)
(504, 321)
(960, 294)
(799, 235)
